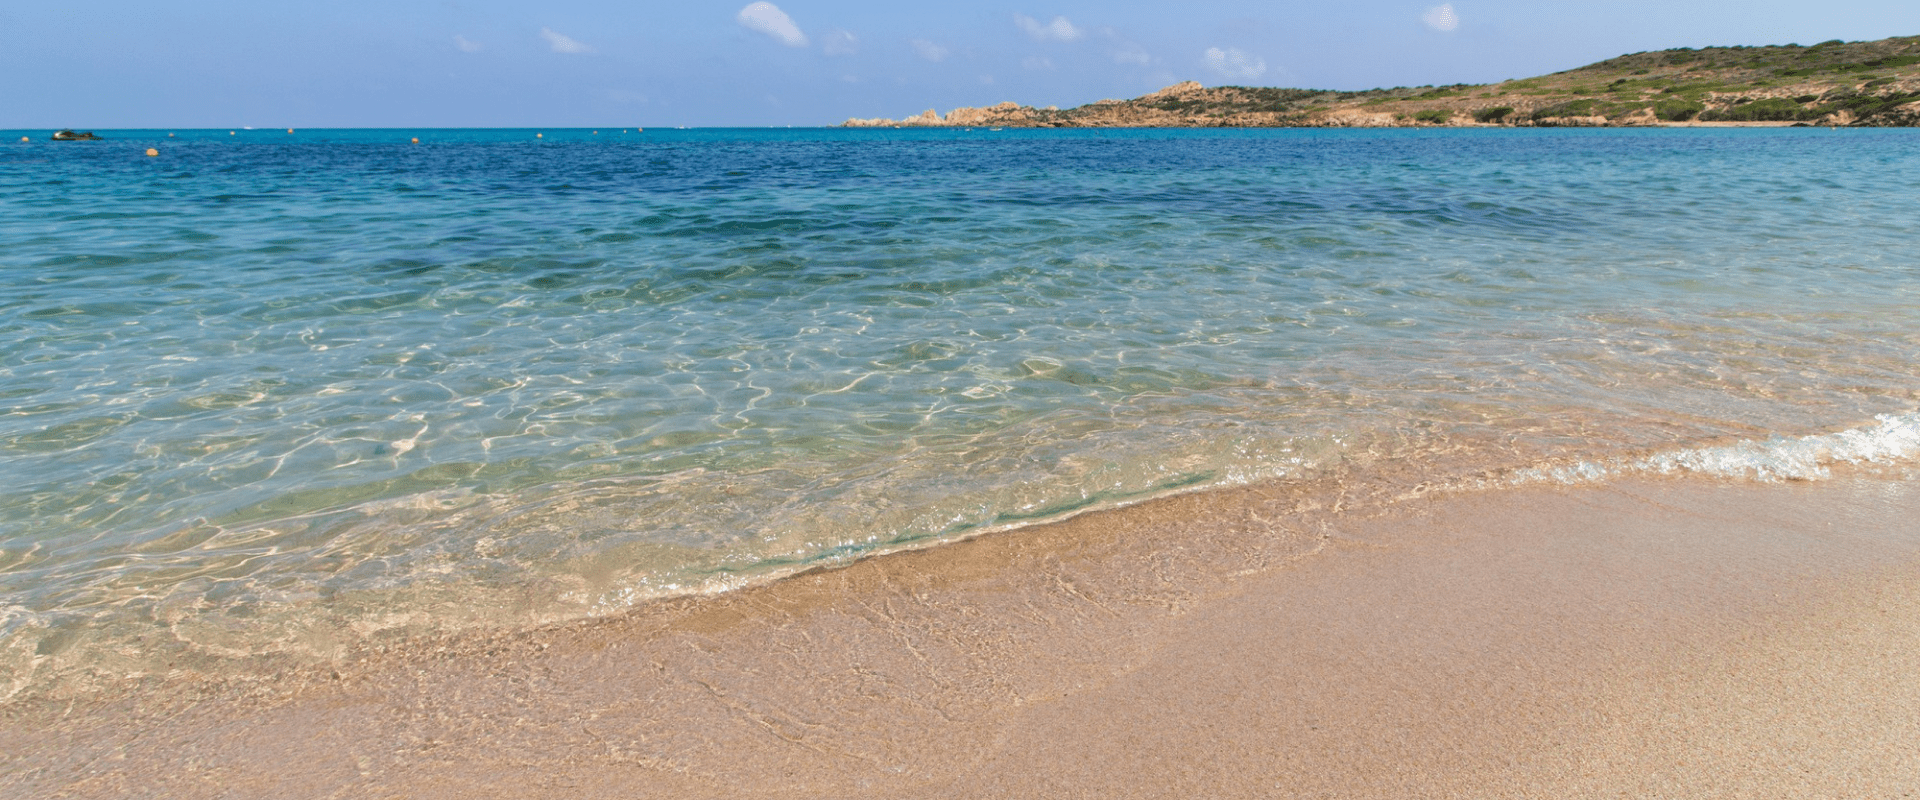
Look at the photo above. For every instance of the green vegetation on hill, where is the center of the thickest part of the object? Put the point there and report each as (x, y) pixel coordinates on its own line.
(1836, 82)
(1831, 83)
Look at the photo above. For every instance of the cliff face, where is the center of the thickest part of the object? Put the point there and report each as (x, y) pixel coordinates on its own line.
(1832, 83)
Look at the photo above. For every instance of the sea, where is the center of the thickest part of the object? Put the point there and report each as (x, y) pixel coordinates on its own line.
(289, 394)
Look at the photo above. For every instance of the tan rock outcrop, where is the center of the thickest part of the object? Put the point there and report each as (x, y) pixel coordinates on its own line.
(1571, 122)
(1001, 114)
(1177, 90)
(1008, 113)
(1838, 118)
(1355, 118)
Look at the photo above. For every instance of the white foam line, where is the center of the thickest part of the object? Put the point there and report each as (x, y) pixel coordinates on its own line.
(1895, 438)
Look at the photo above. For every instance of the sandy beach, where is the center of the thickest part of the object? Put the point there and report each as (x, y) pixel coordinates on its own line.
(1649, 638)
(520, 420)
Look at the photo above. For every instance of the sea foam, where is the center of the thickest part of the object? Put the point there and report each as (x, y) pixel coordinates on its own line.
(1893, 439)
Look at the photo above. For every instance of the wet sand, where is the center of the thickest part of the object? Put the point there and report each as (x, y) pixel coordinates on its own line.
(1647, 638)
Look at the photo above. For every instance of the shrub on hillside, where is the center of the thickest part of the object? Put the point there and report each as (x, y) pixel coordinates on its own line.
(1571, 108)
(1772, 109)
(1863, 105)
(1677, 110)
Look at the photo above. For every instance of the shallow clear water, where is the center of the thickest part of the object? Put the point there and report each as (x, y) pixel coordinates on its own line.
(281, 392)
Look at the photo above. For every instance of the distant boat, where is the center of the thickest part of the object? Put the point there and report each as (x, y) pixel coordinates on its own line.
(67, 135)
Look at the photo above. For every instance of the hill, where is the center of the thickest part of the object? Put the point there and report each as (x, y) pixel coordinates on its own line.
(1832, 83)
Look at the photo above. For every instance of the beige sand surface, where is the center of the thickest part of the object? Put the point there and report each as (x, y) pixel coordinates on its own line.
(1649, 639)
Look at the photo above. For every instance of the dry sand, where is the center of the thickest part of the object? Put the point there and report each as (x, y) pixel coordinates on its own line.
(1646, 639)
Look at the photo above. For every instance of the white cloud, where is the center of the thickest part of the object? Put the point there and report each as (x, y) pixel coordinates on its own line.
(1441, 18)
(839, 43)
(930, 51)
(563, 43)
(767, 18)
(466, 45)
(1059, 28)
(1236, 63)
(1126, 51)
(1037, 63)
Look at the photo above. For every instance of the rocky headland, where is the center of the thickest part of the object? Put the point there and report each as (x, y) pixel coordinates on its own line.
(1835, 83)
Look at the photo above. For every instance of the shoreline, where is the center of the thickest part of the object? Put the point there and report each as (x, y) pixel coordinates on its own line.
(1826, 84)
(1677, 636)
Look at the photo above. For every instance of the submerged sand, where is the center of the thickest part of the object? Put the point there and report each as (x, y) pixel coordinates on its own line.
(1645, 638)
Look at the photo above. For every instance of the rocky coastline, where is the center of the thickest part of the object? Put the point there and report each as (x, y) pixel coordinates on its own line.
(1832, 84)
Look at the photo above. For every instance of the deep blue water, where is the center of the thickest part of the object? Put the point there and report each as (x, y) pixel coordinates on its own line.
(277, 392)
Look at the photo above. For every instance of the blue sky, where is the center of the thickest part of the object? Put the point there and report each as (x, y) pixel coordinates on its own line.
(452, 63)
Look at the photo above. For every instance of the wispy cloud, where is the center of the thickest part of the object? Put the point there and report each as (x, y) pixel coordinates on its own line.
(837, 42)
(1037, 63)
(1059, 29)
(767, 18)
(562, 43)
(466, 45)
(1441, 18)
(1236, 63)
(1124, 50)
(930, 51)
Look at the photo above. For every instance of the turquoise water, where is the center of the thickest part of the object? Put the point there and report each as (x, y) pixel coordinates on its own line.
(281, 393)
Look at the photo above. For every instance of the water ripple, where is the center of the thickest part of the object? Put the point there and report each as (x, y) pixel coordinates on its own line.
(340, 384)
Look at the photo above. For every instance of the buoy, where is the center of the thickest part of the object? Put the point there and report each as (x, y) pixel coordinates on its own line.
(289, 130)
(416, 140)
(152, 152)
(539, 136)
(231, 133)
(169, 135)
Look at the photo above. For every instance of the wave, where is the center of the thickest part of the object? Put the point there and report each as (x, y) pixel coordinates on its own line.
(1894, 438)
(476, 583)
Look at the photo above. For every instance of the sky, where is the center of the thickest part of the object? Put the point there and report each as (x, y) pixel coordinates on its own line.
(655, 63)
